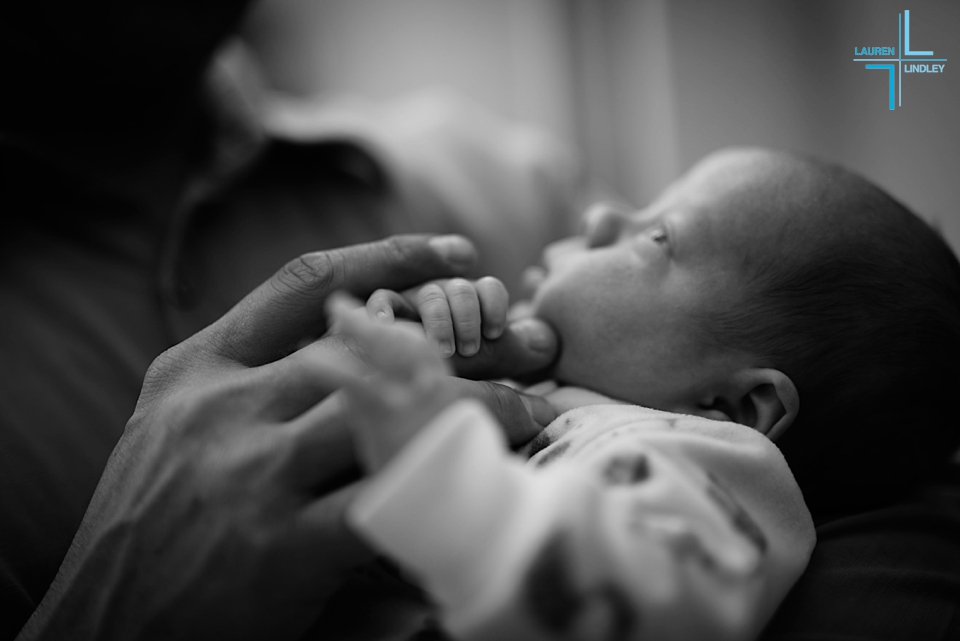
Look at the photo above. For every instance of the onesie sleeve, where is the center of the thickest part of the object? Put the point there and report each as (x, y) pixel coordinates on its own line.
(633, 524)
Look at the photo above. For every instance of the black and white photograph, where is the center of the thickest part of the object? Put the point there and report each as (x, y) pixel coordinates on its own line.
(480, 320)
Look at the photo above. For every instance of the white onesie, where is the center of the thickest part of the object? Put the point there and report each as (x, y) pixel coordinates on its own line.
(626, 523)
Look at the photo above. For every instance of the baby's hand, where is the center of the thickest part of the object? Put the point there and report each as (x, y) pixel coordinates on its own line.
(453, 312)
(405, 390)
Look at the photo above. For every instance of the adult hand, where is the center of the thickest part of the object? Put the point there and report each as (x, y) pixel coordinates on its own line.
(219, 514)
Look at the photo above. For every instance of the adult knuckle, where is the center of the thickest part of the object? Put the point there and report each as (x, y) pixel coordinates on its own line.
(164, 371)
(162, 365)
(400, 251)
(176, 412)
(312, 271)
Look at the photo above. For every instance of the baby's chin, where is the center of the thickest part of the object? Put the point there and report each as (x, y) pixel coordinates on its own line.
(571, 370)
(565, 375)
(572, 377)
(546, 299)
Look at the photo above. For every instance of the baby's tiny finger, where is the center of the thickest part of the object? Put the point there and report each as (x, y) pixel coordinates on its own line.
(435, 315)
(494, 300)
(465, 309)
(379, 305)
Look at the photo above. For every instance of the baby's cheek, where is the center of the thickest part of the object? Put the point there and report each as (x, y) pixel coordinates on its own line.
(582, 320)
(611, 368)
(583, 365)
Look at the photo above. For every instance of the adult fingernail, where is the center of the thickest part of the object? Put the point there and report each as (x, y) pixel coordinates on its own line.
(455, 250)
(469, 348)
(536, 335)
(539, 409)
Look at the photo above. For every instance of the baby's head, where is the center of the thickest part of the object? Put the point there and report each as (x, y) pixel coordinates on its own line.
(778, 292)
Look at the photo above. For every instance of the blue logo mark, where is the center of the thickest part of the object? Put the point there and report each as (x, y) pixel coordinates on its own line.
(906, 61)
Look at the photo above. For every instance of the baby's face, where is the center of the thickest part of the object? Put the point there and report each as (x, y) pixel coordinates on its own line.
(629, 297)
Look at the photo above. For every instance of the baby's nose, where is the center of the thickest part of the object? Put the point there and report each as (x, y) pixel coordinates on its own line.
(603, 223)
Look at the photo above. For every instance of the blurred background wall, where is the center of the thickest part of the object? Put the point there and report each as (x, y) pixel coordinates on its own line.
(643, 88)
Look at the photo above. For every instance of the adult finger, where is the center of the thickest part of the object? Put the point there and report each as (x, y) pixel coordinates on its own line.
(325, 519)
(289, 306)
(291, 386)
(521, 416)
(526, 346)
(322, 453)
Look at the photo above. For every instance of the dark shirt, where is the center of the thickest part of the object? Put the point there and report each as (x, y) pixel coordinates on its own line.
(102, 266)
(891, 573)
(100, 123)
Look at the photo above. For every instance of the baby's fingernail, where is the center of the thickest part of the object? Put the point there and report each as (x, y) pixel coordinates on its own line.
(540, 410)
(455, 250)
(492, 332)
(469, 348)
(536, 334)
(446, 348)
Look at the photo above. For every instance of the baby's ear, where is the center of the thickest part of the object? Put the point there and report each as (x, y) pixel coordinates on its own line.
(761, 398)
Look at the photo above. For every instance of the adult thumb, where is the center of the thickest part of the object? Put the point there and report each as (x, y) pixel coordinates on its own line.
(527, 346)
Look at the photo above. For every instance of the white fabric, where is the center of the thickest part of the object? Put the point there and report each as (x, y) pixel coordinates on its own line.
(631, 523)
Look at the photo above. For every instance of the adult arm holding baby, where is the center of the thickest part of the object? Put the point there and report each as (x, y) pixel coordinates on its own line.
(220, 512)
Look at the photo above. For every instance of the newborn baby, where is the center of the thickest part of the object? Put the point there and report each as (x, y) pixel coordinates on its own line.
(756, 281)
(761, 288)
